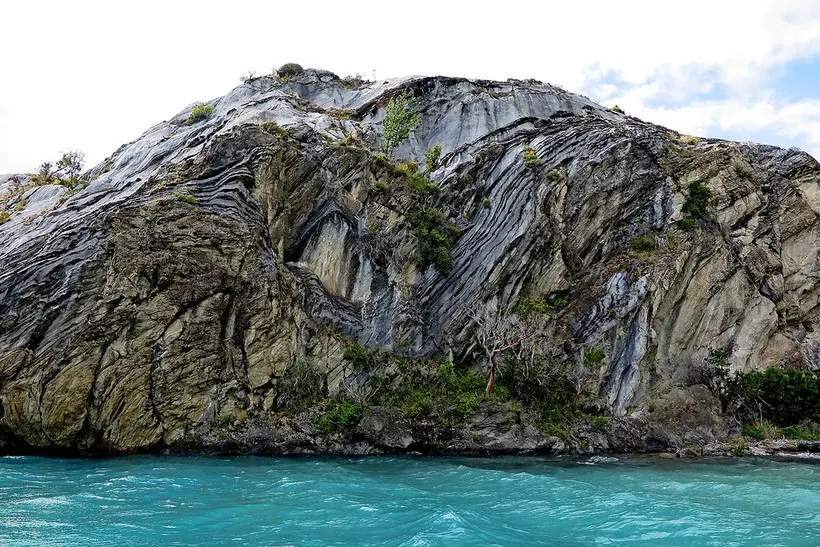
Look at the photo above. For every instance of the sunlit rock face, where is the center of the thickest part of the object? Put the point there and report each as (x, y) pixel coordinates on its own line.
(204, 260)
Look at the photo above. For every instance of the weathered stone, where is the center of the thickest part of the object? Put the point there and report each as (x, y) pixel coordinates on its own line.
(204, 261)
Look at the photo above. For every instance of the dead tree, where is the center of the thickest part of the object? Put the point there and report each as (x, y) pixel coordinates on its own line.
(498, 333)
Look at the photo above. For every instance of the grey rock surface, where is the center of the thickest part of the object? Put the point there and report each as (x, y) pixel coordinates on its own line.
(204, 261)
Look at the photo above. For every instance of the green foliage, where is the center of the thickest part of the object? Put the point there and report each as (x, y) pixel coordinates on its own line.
(687, 223)
(697, 201)
(554, 174)
(198, 113)
(431, 158)
(737, 446)
(617, 109)
(809, 431)
(527, 306)
(186, 197)
(339, 417)
(299, 387)
(612, 313)
(272, 128)
(754, 431)
(530, 157)
(741, 171)
(436, 237)
(289, 70)
(360, 357)
(5, 216)
(485, 203)
(643, 244)
(594, 356)
(783, 396)
(449, 397)
(378, 188)
(399, 120)
(542, 385)
(69, 166)
(600, 422)
(407, 168)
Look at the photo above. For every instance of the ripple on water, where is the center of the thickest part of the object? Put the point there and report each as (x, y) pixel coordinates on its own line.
(404, 501)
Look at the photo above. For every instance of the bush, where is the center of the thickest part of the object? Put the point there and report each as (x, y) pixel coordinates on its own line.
(289, 70)
(186, 197)
(450, 397)
(436, 238)
(643, 244)
(198, 113)
(5, 216)
(594, 356)
(783, 396)
(272, 128)
(360, 357)
(617, 109)
(339, 417)
(400, 119)
(431, 158)
(697, 200)
(530, 157)
(687, 223)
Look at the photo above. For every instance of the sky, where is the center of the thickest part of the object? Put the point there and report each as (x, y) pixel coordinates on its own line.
(91, 75)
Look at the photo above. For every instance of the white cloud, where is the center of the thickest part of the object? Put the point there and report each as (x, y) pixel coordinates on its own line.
(93, 74)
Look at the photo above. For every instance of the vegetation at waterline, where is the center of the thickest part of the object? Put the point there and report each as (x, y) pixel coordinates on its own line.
(778, 402)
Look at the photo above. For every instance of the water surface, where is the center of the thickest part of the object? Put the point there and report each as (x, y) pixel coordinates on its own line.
(405, 501)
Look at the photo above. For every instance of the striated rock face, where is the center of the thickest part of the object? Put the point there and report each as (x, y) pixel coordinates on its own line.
(204, 261)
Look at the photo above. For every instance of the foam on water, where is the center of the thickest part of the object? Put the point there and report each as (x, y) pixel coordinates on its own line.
(404, 501)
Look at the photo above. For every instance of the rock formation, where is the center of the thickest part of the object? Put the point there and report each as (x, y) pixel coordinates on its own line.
(205, 260)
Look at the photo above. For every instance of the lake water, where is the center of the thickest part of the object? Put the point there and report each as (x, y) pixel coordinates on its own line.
(406, 501)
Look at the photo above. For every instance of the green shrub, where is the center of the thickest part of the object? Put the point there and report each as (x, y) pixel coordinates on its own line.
(436, 238)
(754, 431)
(198, 113)
(530, 157)
(289, 70)
(299, 387)
(378, 187)
(485, 203)
(407, 168)
(643, 244)
(527, 306)
(360, 357)
(272, 128)
(186, 197)
(737, 446)
(400, 119)
(782, 396)
(808, 432)
(687, 223)
(554, 174)
(5, 216)
(339, 417)
(449, 396)
(431, 158)
(697, 200)
(617, 109)
(594, 356)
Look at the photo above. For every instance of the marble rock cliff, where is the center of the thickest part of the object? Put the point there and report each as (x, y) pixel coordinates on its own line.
(204, 260)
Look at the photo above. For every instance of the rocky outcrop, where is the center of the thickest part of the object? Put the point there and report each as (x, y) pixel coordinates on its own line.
(204, 262)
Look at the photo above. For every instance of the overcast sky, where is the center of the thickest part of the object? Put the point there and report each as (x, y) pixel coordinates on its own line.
(93, 75)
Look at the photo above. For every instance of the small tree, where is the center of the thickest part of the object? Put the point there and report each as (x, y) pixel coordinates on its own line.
(70, 165)
(497, 334)
(400, 118)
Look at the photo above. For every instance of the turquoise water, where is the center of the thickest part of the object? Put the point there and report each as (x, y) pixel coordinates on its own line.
(405, 501)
